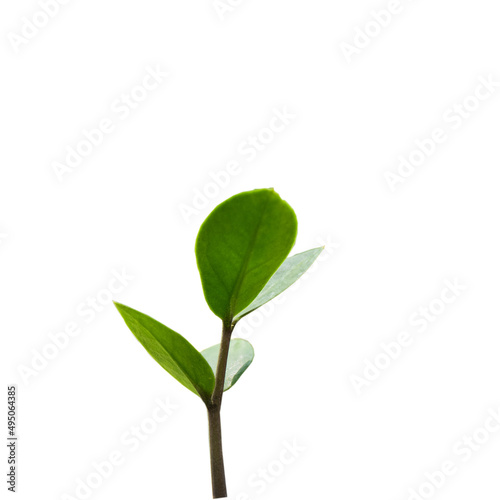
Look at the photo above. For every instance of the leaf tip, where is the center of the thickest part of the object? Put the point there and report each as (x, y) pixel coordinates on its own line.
(121, 308)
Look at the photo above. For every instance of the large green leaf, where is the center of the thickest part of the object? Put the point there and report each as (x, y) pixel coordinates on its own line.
(240, 245)
(239, 359)
(287, 274)
(172, 351)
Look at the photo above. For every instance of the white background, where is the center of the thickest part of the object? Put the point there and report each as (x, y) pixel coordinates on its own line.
(390, 252)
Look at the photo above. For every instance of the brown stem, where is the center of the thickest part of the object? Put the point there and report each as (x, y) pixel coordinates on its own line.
(214, 424)
(220, 375)
(216, 457)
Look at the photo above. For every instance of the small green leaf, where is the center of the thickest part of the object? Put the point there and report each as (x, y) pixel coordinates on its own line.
(172, 351)
(239, 359)
(288, 273)
(240, 245)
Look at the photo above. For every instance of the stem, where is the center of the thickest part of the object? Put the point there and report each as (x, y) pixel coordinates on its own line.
(216, 458)
(220, 375)
(214, 425)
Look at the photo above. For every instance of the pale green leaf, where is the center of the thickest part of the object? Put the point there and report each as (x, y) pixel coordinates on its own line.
(287, 274)
(239, 359)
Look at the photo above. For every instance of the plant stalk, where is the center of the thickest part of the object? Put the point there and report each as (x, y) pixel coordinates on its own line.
(219, 489)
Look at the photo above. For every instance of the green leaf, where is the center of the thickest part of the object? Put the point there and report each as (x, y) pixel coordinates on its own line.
(172, 351)
(288, 273)
(239, 359)
(240, 245)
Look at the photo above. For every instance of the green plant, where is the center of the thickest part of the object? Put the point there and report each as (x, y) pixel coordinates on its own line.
(241, 251)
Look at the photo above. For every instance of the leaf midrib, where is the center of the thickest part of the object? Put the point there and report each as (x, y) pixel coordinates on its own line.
(243, 268)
